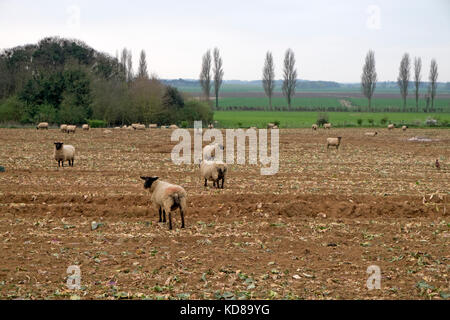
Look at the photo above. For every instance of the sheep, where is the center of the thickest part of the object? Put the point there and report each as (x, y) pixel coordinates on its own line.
(334, 142)
(404, 128)
(209, 151)
(371, 134)
(270, 125)
(64, 153)
(71, 128)
(140, 127)
(117, 128)
(134, 125)
(85, 127)
(213, 170)
(63, 128)
(327, 125)
(391, 126)
(166, 197)
(210, 126)
(314, 126)
(173, 126)
(153, 126)
(42, 125)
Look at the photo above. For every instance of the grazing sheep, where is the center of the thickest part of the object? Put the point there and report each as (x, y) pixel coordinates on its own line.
(117, 128)
(134, 125)
(327, 125)
(166, 197)
(42, 125)
(85, 127)
(153, 126)
(173, 126)
(371, 134)
(140, 127)
(391, 126)
(404, 128)
(63, 128)
(314, 126)
(64, 153)
(71, 128)
(209, 151)
(334, 142)
(213, 171)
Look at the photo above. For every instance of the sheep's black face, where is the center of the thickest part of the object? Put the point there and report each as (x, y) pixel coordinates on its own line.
(148, 181)
(58, 145)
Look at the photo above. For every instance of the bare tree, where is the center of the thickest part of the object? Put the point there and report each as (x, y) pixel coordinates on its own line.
(129, 67)
(369, 77)
(218, 74)
(417, 78)
(290, 76)
(205, 75)
(268, 78)
(433, 81)
(403, 78)
(123, 62)
(142, 70)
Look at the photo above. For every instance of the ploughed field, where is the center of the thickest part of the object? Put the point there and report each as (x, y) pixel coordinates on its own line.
(308, 232)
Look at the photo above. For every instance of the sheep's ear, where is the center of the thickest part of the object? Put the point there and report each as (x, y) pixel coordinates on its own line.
(144, 178)
(154, 178)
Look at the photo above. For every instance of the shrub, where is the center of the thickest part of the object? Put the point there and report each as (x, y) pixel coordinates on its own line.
(370, 121)
(184, 124)
(359, 121)
(277, 123)
(322, 118)
(12, 109)
(46, 113)
(384, 120)
(97, 123)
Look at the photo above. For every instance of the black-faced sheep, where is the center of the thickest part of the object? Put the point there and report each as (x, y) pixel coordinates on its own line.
(64, 153)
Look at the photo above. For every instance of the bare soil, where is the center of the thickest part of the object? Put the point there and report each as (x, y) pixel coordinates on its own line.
(308, 232)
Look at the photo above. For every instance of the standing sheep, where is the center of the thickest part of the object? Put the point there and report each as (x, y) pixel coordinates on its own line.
(371, 134)
(391, 126)
(173, 126)
(63, 128)
(334, 142)
(166, 197)
(215, 171)
(404, 128)
(85, 127)
(314, 126)
(71, 128)
(327, 125)
(64, 153)
(42, 125)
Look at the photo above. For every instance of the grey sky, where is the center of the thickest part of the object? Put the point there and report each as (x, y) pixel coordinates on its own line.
(329, 38)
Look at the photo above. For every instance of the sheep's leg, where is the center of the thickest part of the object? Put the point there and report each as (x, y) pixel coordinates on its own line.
(170, 220)
(160, 213)
(182, 217)
(223, 180)
(164, 215)
(206, 183)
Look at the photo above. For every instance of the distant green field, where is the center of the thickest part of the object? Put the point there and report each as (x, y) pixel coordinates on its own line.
(328, 103)
(297, 119)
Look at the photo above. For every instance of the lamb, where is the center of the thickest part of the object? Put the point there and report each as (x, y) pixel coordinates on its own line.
(42, 125)
(404, 128)
(327, 125)
(371, 134)
(334, 142)
(85, 127)
(213, 170)
(71, 128)
(166, 197)
(64, 153)
(314, 126)
(63, 128)
(391, 126)
(209, 151)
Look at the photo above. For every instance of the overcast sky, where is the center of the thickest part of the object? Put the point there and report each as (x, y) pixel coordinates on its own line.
(329, 38)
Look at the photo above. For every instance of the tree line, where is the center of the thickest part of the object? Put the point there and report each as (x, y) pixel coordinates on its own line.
(65, 81)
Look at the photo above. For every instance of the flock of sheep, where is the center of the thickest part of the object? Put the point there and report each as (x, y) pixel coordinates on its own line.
(167, 197)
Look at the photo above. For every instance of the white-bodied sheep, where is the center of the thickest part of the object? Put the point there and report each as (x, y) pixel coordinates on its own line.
(391, 126)
(327, 125)
(335, 142)
(71, 128)
(404, 128)
(134, 125)
(371, 134)
(85, 127)
(63, 128)
(166, 197)
(64, 153)
(213, 171)
(270, 125)
(153, 126)
(140, 127)
(173, 126)
(42, 125)
(314, 126)
(209, 151)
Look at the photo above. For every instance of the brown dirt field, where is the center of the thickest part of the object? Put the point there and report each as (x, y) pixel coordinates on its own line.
(308, 232)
